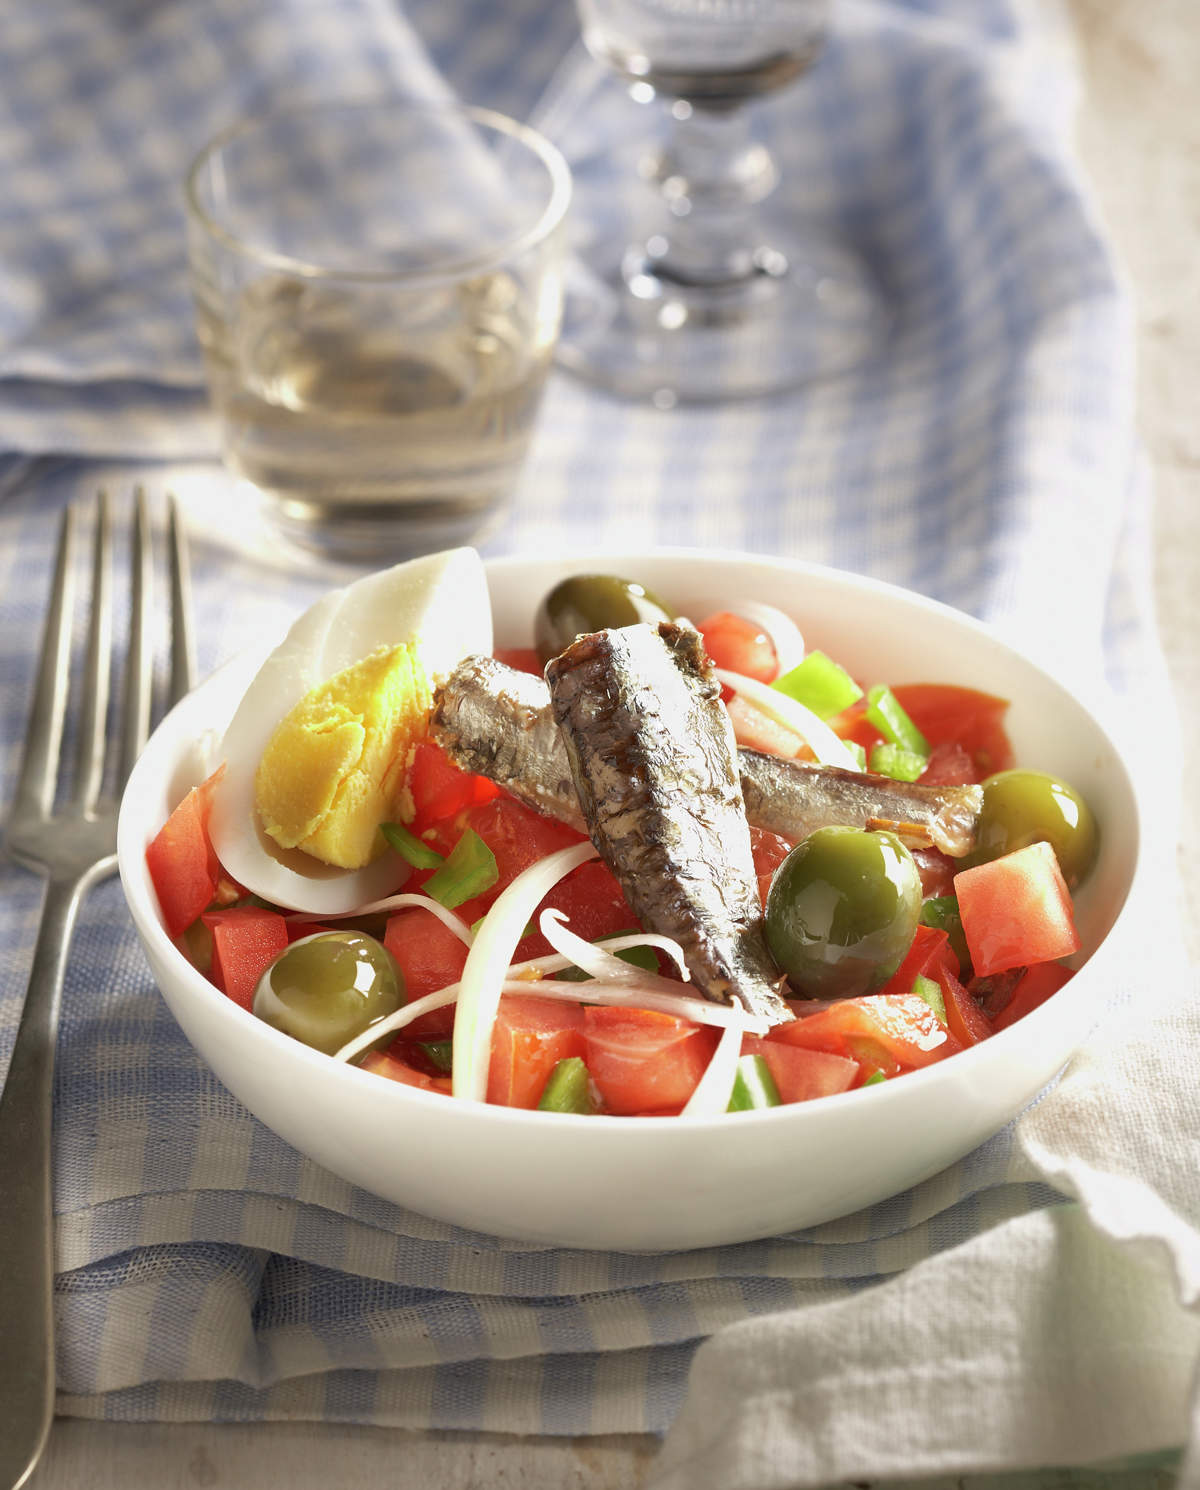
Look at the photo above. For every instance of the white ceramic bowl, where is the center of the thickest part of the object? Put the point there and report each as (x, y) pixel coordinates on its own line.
(630, 1183)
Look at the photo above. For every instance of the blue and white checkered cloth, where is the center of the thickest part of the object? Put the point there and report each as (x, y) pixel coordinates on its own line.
(206, 1270)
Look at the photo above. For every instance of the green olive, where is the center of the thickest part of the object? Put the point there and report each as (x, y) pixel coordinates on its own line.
(1024, 807)
(327, 988)
(592, 602)
(842, 911)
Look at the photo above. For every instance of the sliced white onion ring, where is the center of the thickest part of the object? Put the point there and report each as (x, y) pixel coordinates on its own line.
(815, 733)
(398, 902)
(396, 1021)
(782, 631)
(600, 962)
(715, 1087)
(648, 992)
(554, 962)
(647, 995)
(488, 961)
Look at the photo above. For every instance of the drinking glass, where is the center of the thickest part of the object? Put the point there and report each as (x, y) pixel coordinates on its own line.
(691, 280)
(378, 290)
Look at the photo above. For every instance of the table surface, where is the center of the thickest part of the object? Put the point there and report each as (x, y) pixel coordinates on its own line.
(1139, 140)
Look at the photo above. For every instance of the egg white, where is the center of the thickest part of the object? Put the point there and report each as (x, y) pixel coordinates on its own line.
(440, 605)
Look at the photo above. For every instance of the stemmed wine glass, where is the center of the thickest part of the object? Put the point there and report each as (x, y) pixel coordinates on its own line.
(690, 282)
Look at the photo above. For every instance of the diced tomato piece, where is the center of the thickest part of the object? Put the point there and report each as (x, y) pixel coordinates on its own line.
(246, 940)
(427, 952)
(873, 1059)
(386, 1063)
(950, 764)
(852, 724)
(441, 836)
(524, 659)
(530, 1036)
(183, 866)
(1016, 910)
(947, 714)
(966, 1020)
(297, 930)
(769, 851)
(739, 646)
(1043, 979)
(518, 836)
(992, 994)
(868, 1054)
(756, 730)
(802, 1074)
(430, 956)
(593, 903)
(903, 1026)
(440, 789)
(643, 1061)
(929, 946)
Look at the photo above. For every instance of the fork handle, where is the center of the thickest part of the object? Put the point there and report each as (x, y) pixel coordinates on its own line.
(26, 1217)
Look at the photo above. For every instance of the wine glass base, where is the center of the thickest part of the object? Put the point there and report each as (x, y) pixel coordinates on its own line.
(804, 310)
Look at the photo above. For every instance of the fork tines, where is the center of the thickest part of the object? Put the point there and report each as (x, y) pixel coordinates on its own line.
(43, 743)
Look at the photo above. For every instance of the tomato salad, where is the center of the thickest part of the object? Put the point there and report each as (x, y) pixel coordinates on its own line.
(915, 956)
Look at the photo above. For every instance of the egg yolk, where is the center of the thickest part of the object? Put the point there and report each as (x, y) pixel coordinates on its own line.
(334, 768)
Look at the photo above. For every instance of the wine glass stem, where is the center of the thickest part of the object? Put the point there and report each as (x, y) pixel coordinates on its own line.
(710, 174)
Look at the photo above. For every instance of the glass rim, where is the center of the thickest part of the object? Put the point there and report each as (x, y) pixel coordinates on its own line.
(550, 217)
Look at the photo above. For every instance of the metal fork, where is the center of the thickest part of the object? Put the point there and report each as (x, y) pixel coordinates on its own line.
(74, 846)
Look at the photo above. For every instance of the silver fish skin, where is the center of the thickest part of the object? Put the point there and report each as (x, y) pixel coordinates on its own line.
(653, 760)
(496, 721)
(795, 798)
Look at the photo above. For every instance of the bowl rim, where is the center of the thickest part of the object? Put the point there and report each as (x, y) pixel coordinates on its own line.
(143, 908)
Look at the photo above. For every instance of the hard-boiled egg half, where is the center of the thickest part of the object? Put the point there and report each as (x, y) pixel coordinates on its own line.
(315, 755)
